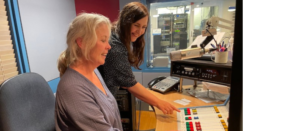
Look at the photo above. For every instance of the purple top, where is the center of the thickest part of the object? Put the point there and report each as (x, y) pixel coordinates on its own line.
(80, 105)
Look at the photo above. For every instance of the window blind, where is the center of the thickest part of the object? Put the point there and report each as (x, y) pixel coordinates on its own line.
(8, 65)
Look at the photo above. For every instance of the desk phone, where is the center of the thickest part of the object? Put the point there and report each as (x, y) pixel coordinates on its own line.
(164, 84)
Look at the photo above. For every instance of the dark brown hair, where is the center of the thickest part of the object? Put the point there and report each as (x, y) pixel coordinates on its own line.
(131, 13)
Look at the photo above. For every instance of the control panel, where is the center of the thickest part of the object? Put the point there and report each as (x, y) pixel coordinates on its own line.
(202, 70)
(203, 119)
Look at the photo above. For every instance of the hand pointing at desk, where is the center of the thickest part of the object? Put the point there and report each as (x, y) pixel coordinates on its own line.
(145, 95)
(166, 107)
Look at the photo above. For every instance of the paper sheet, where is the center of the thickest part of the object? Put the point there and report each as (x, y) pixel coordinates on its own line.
(183, 102)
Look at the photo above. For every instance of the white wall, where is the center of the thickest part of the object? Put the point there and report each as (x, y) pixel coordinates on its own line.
(227, 15)
(45, 24)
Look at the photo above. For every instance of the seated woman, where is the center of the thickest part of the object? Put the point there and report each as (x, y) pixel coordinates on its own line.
(83, 102)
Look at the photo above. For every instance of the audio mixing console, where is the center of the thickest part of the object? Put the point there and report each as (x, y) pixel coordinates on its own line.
(206, 118)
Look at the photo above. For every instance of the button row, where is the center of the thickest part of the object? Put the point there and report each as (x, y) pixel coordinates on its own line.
(224, 125)
(189, 126)
(187, 111)
(190, 118)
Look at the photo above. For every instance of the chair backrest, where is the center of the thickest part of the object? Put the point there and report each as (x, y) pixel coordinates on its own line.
(26, 104)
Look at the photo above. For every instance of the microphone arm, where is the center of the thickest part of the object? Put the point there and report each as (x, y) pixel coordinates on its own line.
(206, 41)
(192, 53)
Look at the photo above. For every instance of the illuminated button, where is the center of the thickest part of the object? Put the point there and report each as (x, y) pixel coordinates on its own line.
(222, 121)
(196, 117)
(225, 127)
(188, 118)
(198, 125)
(224, 124)
(185, 112)
(220, 116)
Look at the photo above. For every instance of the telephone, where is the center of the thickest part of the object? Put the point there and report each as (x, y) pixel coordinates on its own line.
(163, 84)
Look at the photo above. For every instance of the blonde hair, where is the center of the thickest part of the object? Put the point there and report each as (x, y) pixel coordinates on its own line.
(83, 26)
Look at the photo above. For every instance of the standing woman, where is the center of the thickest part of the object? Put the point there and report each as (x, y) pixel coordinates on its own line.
(127, 49)
(83, 102)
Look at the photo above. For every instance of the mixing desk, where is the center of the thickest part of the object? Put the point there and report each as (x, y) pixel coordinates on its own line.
(203, 118)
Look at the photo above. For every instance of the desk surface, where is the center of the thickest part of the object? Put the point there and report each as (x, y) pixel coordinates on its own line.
(169, 122)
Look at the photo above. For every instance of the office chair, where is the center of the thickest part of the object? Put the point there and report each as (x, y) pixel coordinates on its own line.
(26, 104)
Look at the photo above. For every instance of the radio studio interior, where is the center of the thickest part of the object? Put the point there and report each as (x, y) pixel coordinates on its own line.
(188, 62)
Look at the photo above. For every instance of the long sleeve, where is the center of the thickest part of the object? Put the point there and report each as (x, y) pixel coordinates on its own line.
(82, 106)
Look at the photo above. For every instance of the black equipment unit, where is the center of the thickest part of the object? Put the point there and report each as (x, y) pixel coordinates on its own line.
(126, 103)
(202, 70)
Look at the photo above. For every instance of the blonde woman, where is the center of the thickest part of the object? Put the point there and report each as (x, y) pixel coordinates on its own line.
(83, 101)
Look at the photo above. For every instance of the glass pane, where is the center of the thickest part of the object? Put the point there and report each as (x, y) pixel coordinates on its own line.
(176, 25)
(169, 31)
(201, 15)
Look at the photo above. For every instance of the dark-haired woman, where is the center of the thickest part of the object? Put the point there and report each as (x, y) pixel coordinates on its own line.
(127, 49)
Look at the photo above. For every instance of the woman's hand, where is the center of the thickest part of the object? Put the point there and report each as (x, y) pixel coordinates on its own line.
(166, 107)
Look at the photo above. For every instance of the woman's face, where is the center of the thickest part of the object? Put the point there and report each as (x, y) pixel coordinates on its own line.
(138, 28)
(99, 52)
